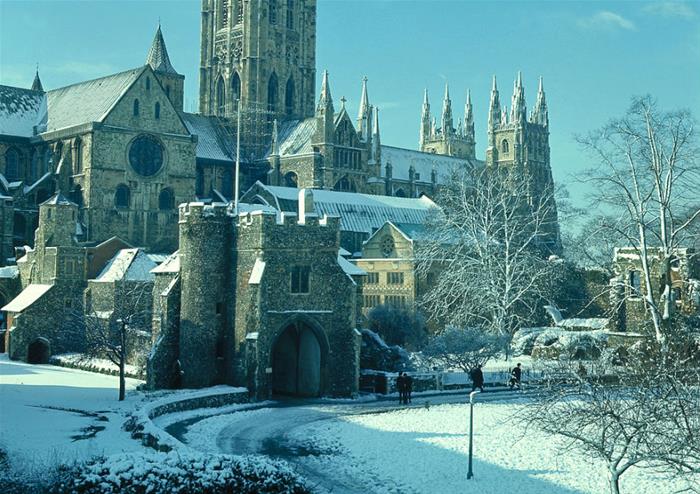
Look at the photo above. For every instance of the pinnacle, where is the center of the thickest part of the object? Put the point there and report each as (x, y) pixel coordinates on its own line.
(158, 57)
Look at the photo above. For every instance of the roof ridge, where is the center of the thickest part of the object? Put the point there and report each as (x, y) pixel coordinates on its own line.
(110, 76)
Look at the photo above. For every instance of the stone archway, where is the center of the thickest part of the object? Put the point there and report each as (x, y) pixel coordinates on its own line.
(298, 361)
(39, 351)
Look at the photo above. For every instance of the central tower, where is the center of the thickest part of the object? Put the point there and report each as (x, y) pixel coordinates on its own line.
(262, 52)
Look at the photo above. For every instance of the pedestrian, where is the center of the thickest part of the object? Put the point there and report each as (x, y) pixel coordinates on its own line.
(515, 375)
(408, 380)
(401, 386)
(477, 378)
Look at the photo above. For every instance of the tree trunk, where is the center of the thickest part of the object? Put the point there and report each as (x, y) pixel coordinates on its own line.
(614, 478)
(122, 378)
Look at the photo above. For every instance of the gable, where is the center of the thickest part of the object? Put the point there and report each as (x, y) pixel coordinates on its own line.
(378, 246)
(345, 133)
(149, 93)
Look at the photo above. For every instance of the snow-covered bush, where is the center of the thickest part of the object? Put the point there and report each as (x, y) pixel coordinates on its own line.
(554, 342)
(179, 473)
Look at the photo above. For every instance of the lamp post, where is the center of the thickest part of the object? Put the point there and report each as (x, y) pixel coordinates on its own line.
(470, 474)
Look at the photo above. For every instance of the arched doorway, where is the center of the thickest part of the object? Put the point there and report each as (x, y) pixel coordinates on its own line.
(297, 361)
(39, 351)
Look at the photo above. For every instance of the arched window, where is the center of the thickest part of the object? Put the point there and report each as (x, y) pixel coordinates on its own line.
(400, 193)
(157, 112)
(12, 164)
(78, 155)
(148, 83)
(291, 180)
(272, 93)
(166, 200)
(136, 107)
(220, 97)
(289, 97)
(504, 146)
(122, 196)
(272, 12)
(290, 14)
(345, 185)
(235, 89)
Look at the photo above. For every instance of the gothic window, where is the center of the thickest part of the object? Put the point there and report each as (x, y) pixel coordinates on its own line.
(157, 111)
(272, 13)
(146, 155)
(148, 83)
(223, 22)
(12, 164)
(166, 200)
(235, 89)
(290, 14)
(300, 279)
(289, 97)
(372, 278)
(76, 195)
(77, 156)
(122, 196)
(394, 278)
(635, 282)
(387, 247)
(272, 90)
(400, 193)
(291, 180)
(504, 146)
(344, 185)
(136, 107)
(220, 97)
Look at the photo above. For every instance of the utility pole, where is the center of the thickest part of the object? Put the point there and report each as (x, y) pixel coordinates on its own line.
(238, 156)
(470, 473)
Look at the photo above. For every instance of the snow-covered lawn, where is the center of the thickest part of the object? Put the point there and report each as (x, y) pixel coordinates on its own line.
(426, 450)
(51, 415)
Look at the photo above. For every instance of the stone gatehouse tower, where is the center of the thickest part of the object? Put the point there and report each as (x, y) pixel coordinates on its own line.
(246, 302)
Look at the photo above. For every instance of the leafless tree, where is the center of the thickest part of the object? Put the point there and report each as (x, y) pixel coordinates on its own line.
(487, 244)
(647, 173)
(462, 348)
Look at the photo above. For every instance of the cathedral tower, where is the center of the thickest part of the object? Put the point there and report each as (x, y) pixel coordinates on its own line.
(261, 52)
(447, 140)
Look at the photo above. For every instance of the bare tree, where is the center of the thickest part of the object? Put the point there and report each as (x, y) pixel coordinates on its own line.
(647, 172)
(488, 245)
(462, 348)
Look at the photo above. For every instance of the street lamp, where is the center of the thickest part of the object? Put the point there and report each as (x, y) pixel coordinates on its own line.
(470, 474)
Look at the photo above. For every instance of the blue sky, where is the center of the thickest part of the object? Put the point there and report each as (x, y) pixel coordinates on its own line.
(593, 55)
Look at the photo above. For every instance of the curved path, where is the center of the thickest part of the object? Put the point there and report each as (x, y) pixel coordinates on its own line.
(273, 437)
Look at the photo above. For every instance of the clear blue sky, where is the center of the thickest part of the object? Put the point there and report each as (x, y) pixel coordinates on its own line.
(593, 55)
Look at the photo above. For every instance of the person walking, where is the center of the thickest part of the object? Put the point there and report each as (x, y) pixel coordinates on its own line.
(477, 378)
(408, 380)
(515, 375)
(401, 386)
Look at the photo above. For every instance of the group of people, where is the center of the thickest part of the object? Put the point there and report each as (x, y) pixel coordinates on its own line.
(477, 376)
(404, 383)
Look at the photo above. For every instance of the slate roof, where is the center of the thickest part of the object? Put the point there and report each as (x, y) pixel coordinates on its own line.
(358, 212)
(214, 142)
(20, 110)
(170, 265)
(128, 264)
(423, 163)
(158, 57)
(59, 199)
(88, 101)
(294, 136)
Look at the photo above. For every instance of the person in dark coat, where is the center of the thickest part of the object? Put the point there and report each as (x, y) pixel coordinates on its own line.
(408, 380)
(477, 378)
(515, 375)
(401, 386)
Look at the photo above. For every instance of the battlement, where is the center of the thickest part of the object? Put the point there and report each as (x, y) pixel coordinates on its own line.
(268, 220)
(199, 210)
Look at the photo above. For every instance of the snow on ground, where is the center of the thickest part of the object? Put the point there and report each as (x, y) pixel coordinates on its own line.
(201, 436)
(426, 450)
(51, 415)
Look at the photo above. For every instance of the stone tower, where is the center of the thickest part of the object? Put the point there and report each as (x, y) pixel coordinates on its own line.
(447, 139)
(261, 52)
(172, 82)
(519, 145)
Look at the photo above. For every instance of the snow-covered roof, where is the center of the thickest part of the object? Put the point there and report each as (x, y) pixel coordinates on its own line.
(257, 272)
(27, 297)
(423, 163)
(294, 136)
(88, 101)
(128, 264)
(59, 199)
(214, 142)
(169, 265)
(9, 272)
(358, 212)
(350, 268)
(21, 110)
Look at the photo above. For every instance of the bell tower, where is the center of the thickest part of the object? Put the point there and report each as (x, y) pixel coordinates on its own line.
(261, 52)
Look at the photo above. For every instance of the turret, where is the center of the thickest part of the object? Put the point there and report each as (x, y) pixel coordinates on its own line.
(518, 110)
(468, 129)
(425, 121)
(540, 114)
(172, 82)
(36, 85)
(447, 121)
(364, 116)
(376, 154)
(494, 113)
(325, 112)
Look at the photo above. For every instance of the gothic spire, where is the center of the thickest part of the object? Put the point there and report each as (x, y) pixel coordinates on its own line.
(518, 110)
(325, 101)
(36, 85)
(425, 126)
(447, 121)
(469, 117)
(376, 140)
(364, 116)
(540, 114)
(494, 107)
(158, 57)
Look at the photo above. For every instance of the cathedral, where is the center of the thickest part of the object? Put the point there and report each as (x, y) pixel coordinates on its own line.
(113, 172)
